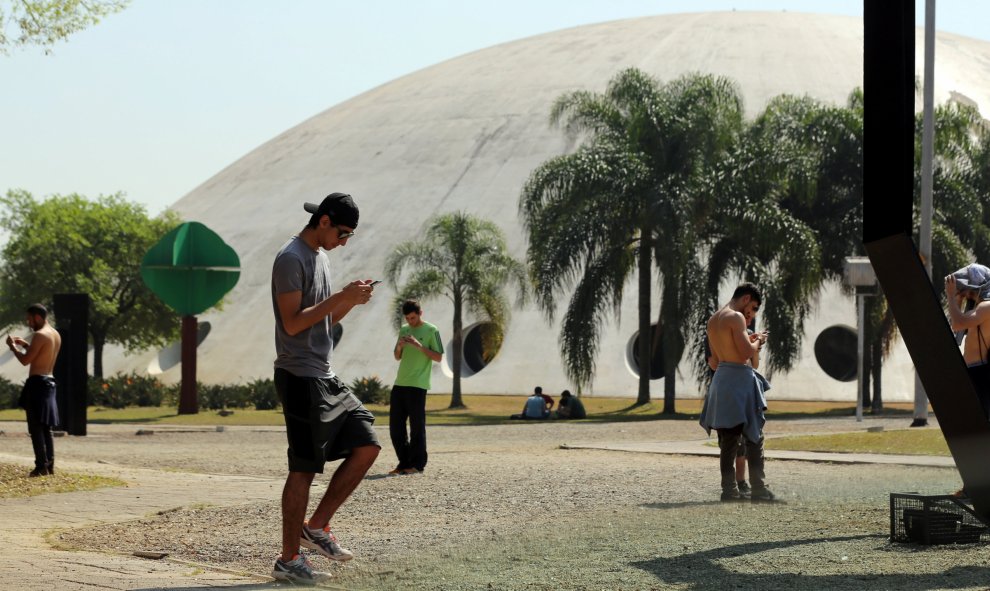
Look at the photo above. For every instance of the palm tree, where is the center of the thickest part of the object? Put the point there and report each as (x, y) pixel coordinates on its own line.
(961, 221)
(464, 259)
(631, 198)
(789, 212)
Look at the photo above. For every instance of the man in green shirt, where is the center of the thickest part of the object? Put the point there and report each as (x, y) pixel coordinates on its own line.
(418, 347)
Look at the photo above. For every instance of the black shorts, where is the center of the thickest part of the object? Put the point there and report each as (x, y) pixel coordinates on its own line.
(324, 421)
(741, 450)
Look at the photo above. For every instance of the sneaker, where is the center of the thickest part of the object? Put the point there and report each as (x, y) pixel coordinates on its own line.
(744, 487)
(38, 472)
(412, 471)
(297, 570)
(762, 496)
(324, 542)
(396, 472)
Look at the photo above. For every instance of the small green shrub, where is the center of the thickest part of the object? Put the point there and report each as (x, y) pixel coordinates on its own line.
(370, 390)
(123, 390)
(262, 394)
(9, 393)
(220, 396)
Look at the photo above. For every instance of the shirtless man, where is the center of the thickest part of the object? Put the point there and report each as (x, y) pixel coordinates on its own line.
(735, 403)
(38, 394)
(972, 283)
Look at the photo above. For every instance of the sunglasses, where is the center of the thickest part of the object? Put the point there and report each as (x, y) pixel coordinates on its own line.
(343, 234)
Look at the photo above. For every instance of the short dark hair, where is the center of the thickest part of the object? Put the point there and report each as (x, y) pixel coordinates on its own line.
(565, 393)
(538, 390)
(410, 306)
(749, 289)
(38, 310)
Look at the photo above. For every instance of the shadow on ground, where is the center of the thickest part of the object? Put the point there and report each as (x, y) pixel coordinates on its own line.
(696, 570)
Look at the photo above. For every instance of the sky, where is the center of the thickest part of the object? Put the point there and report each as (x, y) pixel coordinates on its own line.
(157, 99)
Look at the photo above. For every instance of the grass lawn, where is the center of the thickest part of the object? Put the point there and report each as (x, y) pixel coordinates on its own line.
(929, 442)
(14, 482)
(480, 410)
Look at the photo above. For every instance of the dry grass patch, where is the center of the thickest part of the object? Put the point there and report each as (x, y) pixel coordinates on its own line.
(14, 482)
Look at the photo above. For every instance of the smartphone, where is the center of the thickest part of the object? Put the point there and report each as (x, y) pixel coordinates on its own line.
(375, 282)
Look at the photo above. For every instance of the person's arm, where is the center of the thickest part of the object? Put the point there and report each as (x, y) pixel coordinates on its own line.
(413, 342)
(958, 319)
(296, 319)
(397, 349)
(746, 345)
(31, 350)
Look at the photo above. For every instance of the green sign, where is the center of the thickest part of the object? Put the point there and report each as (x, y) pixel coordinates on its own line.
(191, 269)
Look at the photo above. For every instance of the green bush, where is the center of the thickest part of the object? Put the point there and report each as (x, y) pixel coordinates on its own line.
(262, 394)
(9, 393)
(370, 390)
(221, 396)
(123, 390)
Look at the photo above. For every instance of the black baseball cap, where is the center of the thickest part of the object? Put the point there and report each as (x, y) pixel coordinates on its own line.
(339, 206)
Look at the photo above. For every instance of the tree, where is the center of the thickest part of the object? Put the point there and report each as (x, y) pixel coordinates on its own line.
(464, 259)
(789, 210)
(70, 244)
(45, 22)
(802, 160)
(631, 198)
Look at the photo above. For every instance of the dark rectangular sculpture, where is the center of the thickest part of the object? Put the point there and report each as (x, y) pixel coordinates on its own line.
(888, 198)
(72, 322)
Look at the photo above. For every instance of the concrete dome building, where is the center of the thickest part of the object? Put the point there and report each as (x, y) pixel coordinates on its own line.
(465, 135)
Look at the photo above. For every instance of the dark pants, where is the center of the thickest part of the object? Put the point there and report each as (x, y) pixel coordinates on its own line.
(41, 440)
(407, 403)
(728, 445)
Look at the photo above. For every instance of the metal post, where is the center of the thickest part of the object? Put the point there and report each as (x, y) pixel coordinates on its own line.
(927, 155)
(188, 403)
(860, 341)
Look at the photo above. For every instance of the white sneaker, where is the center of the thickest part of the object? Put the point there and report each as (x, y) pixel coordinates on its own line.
(298, 570)
(324, 542)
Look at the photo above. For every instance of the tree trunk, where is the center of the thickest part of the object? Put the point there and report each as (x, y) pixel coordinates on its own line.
(867, 372)
(673, 346)
(458, 352)
(97, 357)
(877, 364)
(645, 332)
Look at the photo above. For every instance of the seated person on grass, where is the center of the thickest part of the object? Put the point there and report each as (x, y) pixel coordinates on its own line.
(535, 407)
(570, 407)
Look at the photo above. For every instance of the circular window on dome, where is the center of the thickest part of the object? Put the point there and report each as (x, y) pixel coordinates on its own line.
(171, 356)
(656, 361)
(480, 347)
(835, 351)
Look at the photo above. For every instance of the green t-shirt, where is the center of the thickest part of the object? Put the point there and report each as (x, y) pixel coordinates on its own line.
(415, 367)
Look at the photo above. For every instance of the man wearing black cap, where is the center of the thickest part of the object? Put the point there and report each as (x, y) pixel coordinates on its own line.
(324, 421)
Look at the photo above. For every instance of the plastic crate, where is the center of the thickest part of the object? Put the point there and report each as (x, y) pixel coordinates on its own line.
(929, 520)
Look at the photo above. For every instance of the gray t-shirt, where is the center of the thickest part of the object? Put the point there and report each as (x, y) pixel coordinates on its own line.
(299, 268)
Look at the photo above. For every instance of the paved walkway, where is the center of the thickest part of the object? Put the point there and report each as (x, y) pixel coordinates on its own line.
(28, 562)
